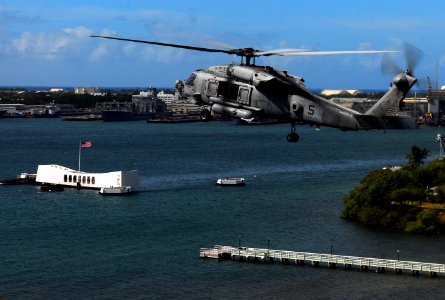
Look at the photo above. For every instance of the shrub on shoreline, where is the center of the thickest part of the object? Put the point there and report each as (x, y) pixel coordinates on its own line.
(398, 198)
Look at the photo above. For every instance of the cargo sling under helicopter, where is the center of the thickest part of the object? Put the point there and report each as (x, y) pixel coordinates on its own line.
(247, 90)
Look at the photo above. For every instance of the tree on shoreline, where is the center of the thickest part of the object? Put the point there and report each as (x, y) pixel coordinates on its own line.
(393, 197)
(416, 156)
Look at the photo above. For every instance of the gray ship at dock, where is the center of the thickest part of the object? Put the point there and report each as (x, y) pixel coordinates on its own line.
(140, 108)
(151, 106)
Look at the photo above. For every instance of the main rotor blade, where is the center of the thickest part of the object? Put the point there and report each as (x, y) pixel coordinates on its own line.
(164, 44)
(280, 52)
(316, 53)
(248, 52)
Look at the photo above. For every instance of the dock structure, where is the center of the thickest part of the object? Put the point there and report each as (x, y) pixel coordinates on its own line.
(379, 265)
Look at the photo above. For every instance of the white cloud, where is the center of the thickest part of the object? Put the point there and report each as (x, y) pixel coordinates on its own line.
(129, 49)
(376, 23)
(103, 47)
(40, 45)
(98, 53)
(49, 46)
(364, 46)
(79, 32)
(107, 31)
(23, 43)
(161, 54)
(369, 61)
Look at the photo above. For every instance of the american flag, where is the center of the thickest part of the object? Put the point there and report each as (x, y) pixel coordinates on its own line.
(86, 144)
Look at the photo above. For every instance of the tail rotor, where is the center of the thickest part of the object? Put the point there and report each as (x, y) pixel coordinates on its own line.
(413, 55)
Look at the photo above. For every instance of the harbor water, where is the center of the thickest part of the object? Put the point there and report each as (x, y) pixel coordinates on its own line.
(77, 244)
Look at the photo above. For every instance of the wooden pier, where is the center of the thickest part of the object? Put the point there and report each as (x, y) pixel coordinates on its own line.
(378, 265)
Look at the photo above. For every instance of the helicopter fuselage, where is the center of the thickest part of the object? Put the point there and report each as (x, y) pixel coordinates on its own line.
(248, 91)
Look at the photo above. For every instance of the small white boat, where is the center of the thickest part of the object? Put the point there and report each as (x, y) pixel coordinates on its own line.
(23, 178)
(28, 176)
(121, 190)
(231, 181)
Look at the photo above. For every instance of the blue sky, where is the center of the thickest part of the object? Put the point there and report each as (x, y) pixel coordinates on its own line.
(47, 43)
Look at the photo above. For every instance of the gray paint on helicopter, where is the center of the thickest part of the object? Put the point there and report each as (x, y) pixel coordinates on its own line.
(247, 90)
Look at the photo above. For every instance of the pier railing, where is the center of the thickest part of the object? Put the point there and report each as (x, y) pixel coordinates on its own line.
(300, 258)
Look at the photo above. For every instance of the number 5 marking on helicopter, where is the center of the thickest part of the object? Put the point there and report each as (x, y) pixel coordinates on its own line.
(311, 110)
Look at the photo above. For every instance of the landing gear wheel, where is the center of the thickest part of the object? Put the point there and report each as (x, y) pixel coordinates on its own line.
(293, 137)
(205, 115)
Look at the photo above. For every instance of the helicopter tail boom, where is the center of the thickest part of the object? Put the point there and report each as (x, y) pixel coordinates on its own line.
(378, 116)
(400, 86)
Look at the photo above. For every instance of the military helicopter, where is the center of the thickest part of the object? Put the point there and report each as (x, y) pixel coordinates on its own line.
(247, 90)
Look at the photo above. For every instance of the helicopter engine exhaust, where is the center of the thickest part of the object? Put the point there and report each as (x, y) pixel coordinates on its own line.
(231, 111)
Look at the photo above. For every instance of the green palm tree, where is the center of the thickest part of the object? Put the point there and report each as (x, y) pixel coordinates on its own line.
(416, 156)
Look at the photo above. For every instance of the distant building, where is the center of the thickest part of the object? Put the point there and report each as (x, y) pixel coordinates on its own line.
(329, 93)
(168, 98)
(147, 102)
(436, 105)
(89, 91)
(55, 90)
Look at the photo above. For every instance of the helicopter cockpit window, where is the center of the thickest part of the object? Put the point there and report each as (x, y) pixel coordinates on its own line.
(191, 79)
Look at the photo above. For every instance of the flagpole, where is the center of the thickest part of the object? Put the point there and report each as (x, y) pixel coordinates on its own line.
(80, 150)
